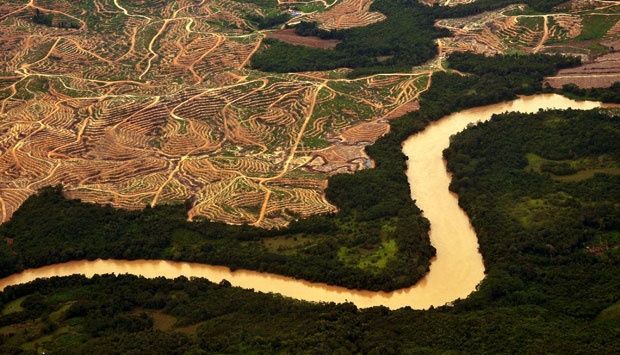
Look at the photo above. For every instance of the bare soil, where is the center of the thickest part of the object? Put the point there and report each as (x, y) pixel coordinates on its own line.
(601, 72)
(411, 106)
(289, 36)
(365, 132)
(346, 14)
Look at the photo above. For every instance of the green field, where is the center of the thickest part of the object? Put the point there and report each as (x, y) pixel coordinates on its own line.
(596, 26)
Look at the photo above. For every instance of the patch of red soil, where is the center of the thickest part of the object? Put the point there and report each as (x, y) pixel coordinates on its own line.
(340, 159)
(366, 132)
(604, 71)
(347, 14)
(411, 106)
(289, 36)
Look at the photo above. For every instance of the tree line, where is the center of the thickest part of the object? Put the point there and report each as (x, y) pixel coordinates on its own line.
(545, 241)
(48, 20)
(406, 38)
(548, 245)
(552, 283)
(374, 207)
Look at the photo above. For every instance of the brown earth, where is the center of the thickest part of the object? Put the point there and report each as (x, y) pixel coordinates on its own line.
(366, 132)
(154, 105)
(340, 159)
(505, 30)
(603, 71)
(411, 106)
(347, 14)
(289, 36)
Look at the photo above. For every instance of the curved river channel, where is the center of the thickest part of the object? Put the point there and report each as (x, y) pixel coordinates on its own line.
(454, 273)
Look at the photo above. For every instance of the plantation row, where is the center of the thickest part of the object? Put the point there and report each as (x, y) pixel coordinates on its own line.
(374, 206)
(548, 237)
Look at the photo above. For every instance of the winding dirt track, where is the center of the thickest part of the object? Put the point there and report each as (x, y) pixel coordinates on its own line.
(455, 273)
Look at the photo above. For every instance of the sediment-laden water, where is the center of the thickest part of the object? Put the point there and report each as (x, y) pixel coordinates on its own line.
(455, 272)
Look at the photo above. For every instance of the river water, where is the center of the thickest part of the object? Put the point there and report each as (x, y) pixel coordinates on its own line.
(455, 272)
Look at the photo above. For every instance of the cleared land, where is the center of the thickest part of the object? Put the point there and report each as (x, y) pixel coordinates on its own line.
(446, 2)
(515, 29)
(134, 105)
(589, 30)
(601, 72)
(346, 14)
(289, 36)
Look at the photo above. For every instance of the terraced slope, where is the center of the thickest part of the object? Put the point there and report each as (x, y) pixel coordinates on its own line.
(347, 14)
(517, 29)
(142, 103)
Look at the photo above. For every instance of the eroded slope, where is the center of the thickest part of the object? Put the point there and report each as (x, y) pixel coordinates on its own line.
(143, 103)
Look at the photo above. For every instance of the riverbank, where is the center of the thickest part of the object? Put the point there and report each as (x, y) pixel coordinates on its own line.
(552, 284)
(377, 241)
(454, 273)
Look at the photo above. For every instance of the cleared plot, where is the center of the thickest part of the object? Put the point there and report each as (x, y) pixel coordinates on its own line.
(346, 14)
(600, 44)
(601, 72)
(148, 103)
(289, 36)
(512, 30)
(581, 5)
(445, 2)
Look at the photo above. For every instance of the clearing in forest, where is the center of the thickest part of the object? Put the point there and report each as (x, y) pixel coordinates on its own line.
(138, 103)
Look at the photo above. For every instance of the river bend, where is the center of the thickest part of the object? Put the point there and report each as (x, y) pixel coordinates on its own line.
(454, 273)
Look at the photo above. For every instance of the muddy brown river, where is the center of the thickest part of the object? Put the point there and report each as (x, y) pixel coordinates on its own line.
(454, 273)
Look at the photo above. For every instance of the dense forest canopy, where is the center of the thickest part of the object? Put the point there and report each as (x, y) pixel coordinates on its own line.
(549, 238)
(405, 39)
(347, 249)
(542, 192)
(128, 314)
(610, 94)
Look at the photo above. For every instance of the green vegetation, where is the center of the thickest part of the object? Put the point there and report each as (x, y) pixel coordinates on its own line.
(270, 16)
(610, 313)
(265, 4)
(611, 94)
(13, 307)
(368, 201)
(596, 26)
(270, 20)
(49, 20)
(525, 11)
(406, 38)
(279, 56)
(315, 142)
(479, 6)
(573, 169)
(519, 71)
(533, 23)
(555, 240)
(162, 232)
(378, 257)
(312, 29)
(550, 287)
(308, 7)
(550, 246)
(42, 19)
(597, 49)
